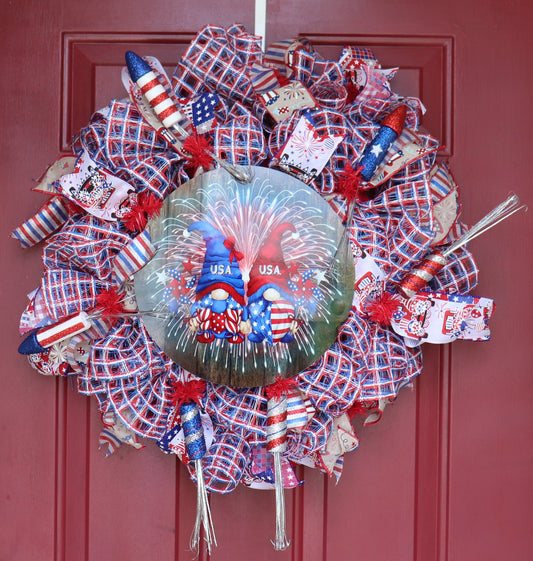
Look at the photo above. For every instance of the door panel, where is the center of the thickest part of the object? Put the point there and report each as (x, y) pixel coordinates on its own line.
(446, 474)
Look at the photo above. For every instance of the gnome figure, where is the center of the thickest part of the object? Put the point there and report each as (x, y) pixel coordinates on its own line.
(219, 310)
(270, 300)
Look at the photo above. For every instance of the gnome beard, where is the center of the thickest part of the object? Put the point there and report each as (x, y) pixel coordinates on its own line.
(218, 315)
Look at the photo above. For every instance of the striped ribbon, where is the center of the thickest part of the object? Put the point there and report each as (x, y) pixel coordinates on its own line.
(296, 411)
(134, 256)
(49, 218)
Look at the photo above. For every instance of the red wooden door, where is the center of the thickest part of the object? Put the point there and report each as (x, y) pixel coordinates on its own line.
(446, 475)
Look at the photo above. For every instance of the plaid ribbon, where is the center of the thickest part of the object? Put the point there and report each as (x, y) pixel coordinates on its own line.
(88, 244)
(126, 352)
(311, 439)
(390, 366)
(242, 409)
(331, 384)
(143, 404)
(52, 215)
(224, 464)
(213, 61)
(395, 228)
(240, 139)
(352, 53)
(310, 68)
(67, 291)
(122, 142)
(370, 113)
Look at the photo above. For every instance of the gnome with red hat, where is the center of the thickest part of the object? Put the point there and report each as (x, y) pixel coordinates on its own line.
(270, 300)
(219, 311)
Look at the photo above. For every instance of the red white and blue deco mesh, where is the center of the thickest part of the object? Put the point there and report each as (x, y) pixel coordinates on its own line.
(126, 371)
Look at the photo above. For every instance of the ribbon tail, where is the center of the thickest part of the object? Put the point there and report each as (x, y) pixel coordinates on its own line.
(203, 514)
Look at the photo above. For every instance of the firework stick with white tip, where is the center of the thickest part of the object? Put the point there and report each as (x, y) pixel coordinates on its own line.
(39, 340)
(417, 279)
(277, 444)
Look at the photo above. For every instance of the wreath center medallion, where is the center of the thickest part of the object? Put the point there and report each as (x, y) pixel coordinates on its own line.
(249, 282)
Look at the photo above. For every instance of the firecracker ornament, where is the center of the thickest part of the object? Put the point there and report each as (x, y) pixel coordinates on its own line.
(240, 257)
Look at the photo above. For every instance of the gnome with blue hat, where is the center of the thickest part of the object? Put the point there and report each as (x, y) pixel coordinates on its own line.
(270, 300)
(219, 311)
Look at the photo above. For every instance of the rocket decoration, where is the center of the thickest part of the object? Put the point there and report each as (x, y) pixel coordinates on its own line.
(38, 341)
(317, 262)
(155, 93)
(186, 398)
(277, 444)
(391, 127)
(418, 278)
(163, 106)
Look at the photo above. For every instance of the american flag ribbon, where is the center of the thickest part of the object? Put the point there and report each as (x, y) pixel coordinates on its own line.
(226, 461)
(134, 256)
(48, 219)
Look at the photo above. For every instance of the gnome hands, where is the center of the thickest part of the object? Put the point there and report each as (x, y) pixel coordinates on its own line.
(245, 327)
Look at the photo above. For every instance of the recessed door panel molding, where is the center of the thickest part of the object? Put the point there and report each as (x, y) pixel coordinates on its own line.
(426, 71)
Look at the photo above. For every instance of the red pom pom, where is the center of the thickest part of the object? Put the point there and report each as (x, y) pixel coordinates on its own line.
(349, 183)
(147, 206)
(109, 302)
(150, 204)
(198, 149)
(280, 387)
(185, 392)
(380, 309)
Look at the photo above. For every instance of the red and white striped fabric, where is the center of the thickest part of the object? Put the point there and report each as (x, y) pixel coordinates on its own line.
(296, 411)
(48, 219)
(159, 99)
(133, 257)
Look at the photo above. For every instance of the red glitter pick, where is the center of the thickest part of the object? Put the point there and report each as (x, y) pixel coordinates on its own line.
(280, 387)
(396, 119)
(380, 310)
(185, 392)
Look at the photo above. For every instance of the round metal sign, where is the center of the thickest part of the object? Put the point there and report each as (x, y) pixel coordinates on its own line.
(250, 282)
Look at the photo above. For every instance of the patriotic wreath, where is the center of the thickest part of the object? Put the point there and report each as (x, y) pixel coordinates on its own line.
(334, 127)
